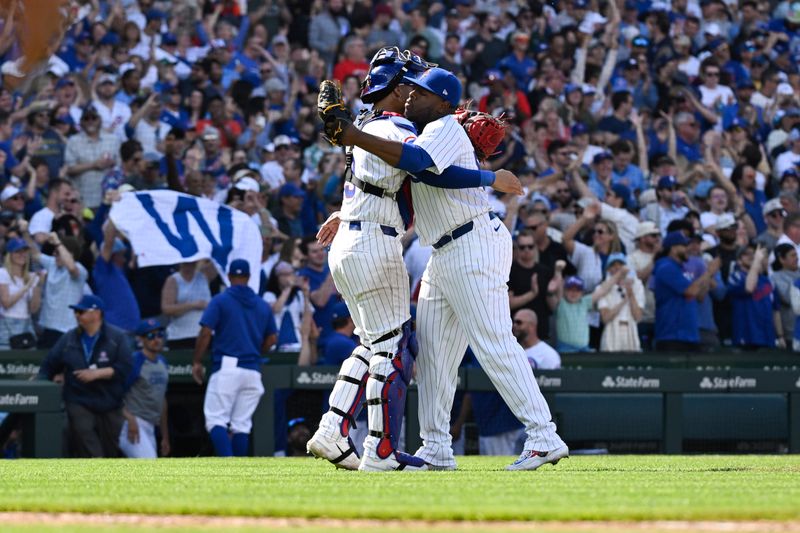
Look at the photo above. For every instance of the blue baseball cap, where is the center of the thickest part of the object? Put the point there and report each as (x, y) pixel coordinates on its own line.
(617, 257)
(674, 238)
(154, 14)
(15, 245)
(290, 189)
(146, 326)
(579, 128)
(737, 122)
(89, 301)
(602, 156)
(667, 182)
(572, 87)
(640, 41)
(63, 82)
(573, 282)
(239, 267)
(169, 39)
(340, 310)
(110, 38)
(440, 82)
(622, 191)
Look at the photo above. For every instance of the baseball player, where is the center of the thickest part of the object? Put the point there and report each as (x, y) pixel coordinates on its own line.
(243, 327)
(463, 299)
(367, 265)
(145, 404)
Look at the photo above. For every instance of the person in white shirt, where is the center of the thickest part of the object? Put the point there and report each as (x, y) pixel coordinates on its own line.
(113, 113)
(790, 157)
(540, 355)
(712, 94)
(42, 221)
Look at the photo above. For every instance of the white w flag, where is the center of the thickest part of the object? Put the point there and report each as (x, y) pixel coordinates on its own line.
(168, 227)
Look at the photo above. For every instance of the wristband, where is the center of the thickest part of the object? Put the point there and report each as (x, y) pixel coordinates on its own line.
(487, 178)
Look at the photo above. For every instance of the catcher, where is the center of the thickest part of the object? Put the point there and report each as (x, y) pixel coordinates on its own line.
(367, 266)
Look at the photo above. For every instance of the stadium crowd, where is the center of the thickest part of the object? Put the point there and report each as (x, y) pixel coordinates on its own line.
(657, 144)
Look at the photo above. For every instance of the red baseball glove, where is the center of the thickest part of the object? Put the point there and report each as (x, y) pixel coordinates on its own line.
(485, 131)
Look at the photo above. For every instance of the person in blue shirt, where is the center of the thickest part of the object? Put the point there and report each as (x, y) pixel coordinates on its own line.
(755, 307)
(677, 322)
(243, 328)
(340, 344)
(743, 178)
(111, 283)
(323, 294)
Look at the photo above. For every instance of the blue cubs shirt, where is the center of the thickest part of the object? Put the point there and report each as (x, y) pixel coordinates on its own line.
(676, 315)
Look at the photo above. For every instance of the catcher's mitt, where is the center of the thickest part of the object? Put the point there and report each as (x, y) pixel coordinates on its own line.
(334, 114)
(485, 131)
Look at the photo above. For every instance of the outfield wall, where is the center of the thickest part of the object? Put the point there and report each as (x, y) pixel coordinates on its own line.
(666, 403)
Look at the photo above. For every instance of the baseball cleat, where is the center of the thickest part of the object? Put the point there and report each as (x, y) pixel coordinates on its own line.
(339, 451)
(531, 459)
(396, 461)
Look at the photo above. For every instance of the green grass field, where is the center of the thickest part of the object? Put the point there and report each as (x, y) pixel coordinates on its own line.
(628, 488)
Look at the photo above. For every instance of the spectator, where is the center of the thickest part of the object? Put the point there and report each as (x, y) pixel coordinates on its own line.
(589, 260)
(243, 328)
(112, 285)
(41, 223)
(355, 61)
(671, 205)
(113, 112)
(573, 306)
(64, 284)
(677, 323)
(184, 297)
(288, 296)
(642, 261)
(527, 282)
(621, 309)
(755, 309)
(784, 274)
(145, 404)
(340, 344)
(483, 50)
(95, 361)
(774, 214)
(550, 251)
(323, 293)
(89, 155)
(290, 221)
(13, 200)
(540, 355)
(20, 296)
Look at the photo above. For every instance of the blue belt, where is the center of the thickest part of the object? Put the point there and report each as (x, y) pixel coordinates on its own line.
(355, 225)
(458, 232)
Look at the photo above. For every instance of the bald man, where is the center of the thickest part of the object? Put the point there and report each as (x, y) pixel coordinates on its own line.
(540, 355)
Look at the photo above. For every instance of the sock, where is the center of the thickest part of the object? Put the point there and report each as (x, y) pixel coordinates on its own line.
(221, 440)
(241, 444)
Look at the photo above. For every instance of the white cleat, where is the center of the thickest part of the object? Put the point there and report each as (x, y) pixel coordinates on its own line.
(531, 459)
(338, 450)
(396, 461)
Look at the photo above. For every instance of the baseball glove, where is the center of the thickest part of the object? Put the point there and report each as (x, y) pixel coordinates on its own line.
(334, 114)
(485, 131)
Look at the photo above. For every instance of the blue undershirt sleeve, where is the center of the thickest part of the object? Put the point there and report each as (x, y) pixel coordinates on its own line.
(414, 159)
(455, 177)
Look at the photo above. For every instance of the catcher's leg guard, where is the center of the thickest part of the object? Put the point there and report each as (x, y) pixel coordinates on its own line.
(332, 440)
(389, 376)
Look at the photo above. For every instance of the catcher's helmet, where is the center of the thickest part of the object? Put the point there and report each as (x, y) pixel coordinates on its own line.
(387, 69)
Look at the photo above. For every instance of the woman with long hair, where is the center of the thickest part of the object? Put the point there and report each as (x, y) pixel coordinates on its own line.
(590, 261)
(20, 292)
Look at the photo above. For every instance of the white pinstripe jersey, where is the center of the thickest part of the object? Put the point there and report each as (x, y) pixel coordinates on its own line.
(358, 205)
(440, 211)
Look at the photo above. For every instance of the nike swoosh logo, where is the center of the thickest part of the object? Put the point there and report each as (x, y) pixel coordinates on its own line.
(497, 228)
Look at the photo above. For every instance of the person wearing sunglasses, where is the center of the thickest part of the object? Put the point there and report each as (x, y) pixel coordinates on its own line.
(95, 360)
(145, 405)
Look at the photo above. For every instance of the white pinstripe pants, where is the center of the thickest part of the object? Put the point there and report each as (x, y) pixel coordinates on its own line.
(368, 269)
(464, 301)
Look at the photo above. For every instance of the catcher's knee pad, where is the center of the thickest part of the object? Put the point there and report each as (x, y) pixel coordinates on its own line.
(386, 401)
(347, 397)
